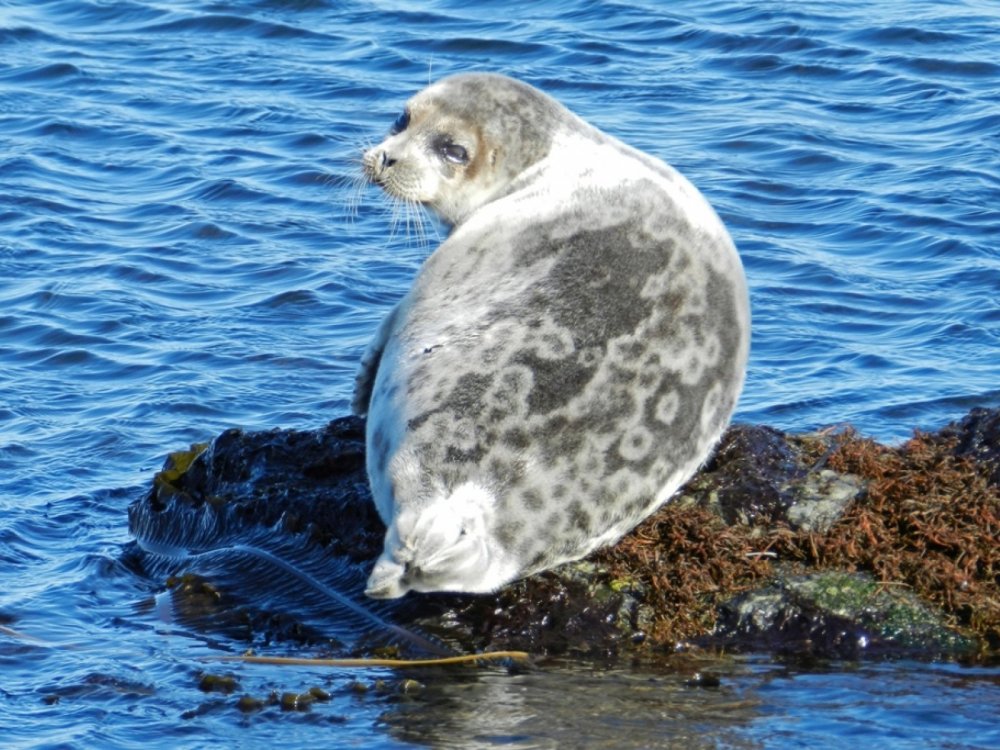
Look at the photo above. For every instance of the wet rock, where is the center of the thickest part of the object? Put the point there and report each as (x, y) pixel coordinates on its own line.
(747, 479)
(820, 498)
(573, 609)
(835, 615)
(214, 683)
(266, 536)
(977, 436)
(758, 551)
(248, 704)
(760, 476)
(913, 517)
(311, 479)
(312, 484)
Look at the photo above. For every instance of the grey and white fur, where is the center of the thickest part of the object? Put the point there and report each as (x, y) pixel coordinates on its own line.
(564, 360)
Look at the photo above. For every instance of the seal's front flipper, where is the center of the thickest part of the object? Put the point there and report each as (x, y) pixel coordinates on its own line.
(364, 381)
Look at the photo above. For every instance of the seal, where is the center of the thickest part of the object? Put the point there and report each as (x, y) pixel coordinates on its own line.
(565, 359)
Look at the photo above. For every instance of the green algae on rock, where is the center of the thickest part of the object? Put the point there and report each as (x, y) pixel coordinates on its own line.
(837, 615)
(923, 519)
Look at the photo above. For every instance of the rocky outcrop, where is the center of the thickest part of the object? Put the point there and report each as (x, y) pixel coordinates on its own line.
(820, 545)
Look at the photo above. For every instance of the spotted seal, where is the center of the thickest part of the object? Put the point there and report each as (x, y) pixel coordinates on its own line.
(564, 360)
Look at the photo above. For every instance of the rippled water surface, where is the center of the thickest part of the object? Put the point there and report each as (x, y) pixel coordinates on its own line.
(183, 248)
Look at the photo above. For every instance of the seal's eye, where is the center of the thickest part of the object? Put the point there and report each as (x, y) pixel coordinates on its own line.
(454, 153)
(401, 123)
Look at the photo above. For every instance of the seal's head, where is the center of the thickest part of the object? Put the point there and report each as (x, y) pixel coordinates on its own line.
(441, 547)
(459, 143)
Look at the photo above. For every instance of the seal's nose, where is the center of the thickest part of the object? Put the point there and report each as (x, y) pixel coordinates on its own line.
(386, 161)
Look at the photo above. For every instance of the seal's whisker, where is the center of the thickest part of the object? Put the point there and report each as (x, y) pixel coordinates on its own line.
(415, 219)
(355, 191)
(359, 182)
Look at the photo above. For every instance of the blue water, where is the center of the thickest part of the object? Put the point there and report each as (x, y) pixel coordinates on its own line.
(184, 248)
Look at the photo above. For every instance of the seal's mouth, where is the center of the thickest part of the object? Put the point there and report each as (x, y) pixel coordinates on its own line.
(382, 170)
(379, 163)
(398, 185)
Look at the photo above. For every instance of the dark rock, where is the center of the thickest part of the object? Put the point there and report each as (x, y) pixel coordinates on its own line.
(302, 496)
(834, 615)
(570, 610)
(313, 483)
(745, 480)
(978, 438)
(760, 476)
(310, 479)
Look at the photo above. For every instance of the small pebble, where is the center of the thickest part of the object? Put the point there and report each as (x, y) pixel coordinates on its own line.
(703, 680)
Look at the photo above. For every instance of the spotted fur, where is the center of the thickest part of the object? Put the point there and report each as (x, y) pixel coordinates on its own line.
(566, 358)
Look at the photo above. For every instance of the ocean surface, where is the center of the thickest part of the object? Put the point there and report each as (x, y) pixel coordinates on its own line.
(185, 247)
